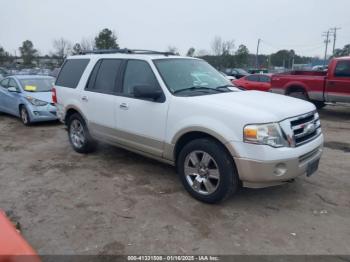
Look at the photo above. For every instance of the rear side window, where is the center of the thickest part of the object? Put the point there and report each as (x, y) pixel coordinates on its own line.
(254, 78)
(104, 77)
(342, 69)
(71, 72)
(265, 79)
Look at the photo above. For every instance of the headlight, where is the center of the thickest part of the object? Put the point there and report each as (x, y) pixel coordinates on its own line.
(265, 134)
(36, 102)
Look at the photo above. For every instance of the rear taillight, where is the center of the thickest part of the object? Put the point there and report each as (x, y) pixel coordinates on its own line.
(54, 96)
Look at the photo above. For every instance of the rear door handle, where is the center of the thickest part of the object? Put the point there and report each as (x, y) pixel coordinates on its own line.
(85, 99)
(124, 106)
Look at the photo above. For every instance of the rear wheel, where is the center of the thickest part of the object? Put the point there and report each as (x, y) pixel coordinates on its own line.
(207, 171)
(301, 94)
(79, 135)
(24, 116)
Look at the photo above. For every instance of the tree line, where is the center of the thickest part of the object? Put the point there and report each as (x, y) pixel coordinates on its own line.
(223, 53)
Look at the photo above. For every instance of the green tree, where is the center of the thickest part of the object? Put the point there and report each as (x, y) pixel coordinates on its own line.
(242, 55)
(28, 52)
(345, 51)
(4, 56)
(106, 39)
(191, 52)
(281, 58)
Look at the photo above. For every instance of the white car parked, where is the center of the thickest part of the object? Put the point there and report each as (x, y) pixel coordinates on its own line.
(217, 136)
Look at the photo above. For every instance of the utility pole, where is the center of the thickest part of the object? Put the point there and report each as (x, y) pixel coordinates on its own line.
(334, 32)
(326, 34)
(257, 54)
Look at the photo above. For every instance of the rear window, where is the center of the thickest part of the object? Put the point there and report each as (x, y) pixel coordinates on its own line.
(254, 78)
(71, 72)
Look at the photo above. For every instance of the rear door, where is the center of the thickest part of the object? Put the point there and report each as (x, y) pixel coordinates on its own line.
(251, 82)
(265, 83)
(141, 123)
(338, 85)
(98, 98)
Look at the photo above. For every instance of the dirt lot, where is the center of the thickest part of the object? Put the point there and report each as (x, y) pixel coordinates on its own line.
(116, 202)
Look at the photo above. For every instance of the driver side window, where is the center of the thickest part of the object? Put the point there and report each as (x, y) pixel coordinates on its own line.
(138, 73)
(12, 83)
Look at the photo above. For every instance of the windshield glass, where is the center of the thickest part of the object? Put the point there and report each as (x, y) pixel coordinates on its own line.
(37, 85)
(190, 75)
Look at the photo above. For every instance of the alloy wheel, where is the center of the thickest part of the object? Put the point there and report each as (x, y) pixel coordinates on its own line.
(202, 172)
(77, 133)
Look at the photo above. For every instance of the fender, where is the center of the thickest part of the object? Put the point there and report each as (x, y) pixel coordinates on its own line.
(76, 109)
(170, 148)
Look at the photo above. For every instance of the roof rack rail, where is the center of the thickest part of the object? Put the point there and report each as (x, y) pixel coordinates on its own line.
(125, 51)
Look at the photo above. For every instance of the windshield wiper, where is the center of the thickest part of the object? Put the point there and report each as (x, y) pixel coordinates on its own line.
(193, 88)
(224, 86)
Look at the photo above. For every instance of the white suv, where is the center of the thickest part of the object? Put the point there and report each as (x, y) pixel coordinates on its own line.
(182, 111)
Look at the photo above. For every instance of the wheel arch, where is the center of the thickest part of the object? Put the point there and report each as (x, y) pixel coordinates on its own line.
(185, 136)
(296, 86)
(72, 110)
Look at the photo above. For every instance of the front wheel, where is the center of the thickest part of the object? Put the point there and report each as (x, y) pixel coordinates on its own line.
(79, 135)
(25, 116)
(319, 104)
(207, 171)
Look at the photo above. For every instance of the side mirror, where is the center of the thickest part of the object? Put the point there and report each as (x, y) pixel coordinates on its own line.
(12, 89)
(147, 92)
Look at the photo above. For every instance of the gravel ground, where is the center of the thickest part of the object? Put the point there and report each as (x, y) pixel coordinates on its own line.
(116, 202)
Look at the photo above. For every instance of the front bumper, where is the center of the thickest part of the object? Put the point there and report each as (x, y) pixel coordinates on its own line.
(279, 166)
(42, 113)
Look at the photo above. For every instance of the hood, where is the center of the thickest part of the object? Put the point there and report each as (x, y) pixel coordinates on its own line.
(43, 96)
(260, 107)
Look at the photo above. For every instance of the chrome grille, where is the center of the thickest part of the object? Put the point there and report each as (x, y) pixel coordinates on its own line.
(305, 128)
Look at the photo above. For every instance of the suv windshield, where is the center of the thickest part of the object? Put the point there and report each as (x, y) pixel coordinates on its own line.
(37, 85)
(191, 77)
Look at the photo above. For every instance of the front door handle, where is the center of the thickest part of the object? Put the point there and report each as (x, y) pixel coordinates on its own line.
(124, 106)
(85, 99)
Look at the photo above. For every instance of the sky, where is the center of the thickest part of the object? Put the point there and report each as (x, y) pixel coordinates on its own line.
(157, 24)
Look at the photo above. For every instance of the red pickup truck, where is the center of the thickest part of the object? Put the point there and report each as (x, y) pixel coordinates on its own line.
(332, 85)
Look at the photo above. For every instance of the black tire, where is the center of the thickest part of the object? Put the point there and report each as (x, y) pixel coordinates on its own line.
(228, 182)
(319, 104)
(23, 112)
(88, 144)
